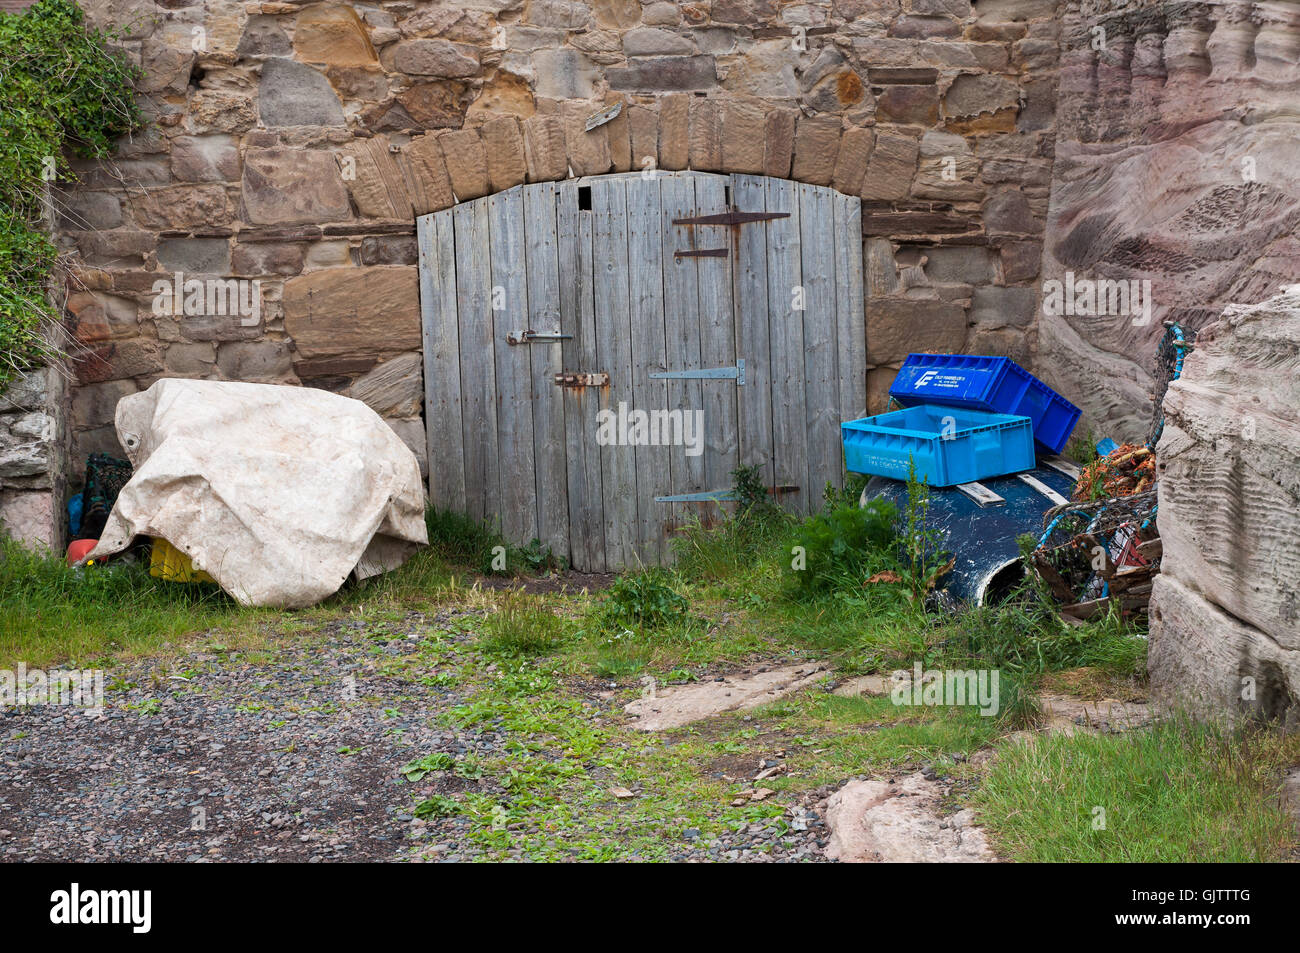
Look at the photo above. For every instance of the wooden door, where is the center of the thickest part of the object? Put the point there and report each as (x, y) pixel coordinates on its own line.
(554, 308)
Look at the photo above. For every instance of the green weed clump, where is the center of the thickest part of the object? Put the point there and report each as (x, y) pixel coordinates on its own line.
(842, 547)
(520, 626)
(64, 89)
(644, 599)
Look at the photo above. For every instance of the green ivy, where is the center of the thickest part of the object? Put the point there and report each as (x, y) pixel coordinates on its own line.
(62, 89)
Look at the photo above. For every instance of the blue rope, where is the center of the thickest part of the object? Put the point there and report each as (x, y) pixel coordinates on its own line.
(1180, 347)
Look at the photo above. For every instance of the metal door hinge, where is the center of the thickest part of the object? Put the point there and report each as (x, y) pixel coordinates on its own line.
(722, 496)
(731, 218)
(705, 373)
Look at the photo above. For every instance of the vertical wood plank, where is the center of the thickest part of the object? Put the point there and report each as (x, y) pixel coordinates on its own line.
(649, 355)
(682, 337)
(614, 352)
(513, 367)
(581, 404)
(477, 360)
(784, 275)
(851, 331)
(750, 281)
(543, 278)
(441, 334)
(820, 358)
(718, 339)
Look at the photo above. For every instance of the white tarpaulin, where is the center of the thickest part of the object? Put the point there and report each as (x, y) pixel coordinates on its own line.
(276, 492)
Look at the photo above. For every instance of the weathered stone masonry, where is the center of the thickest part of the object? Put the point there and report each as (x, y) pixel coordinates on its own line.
(298, 142)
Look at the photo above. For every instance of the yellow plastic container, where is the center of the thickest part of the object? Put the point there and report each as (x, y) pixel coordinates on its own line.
(168, 563)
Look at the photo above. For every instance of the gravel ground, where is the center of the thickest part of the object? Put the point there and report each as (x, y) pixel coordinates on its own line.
(220, 756)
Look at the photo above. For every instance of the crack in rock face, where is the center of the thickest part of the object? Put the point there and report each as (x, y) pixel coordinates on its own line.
(899, 822)
(681, 705)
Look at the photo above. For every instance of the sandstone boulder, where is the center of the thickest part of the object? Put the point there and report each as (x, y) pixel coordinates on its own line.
(1225, 616)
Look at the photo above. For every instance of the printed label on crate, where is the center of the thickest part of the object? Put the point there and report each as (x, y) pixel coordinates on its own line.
(938, 380)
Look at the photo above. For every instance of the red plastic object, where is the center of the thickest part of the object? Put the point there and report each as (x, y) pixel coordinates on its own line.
(78, 548)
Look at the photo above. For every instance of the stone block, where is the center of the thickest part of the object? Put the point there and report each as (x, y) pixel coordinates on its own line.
(504, 144)
(705, 135)
(892, 166)
(588, 151)
(195, 256)
(213, 158)
(851, 163)
(294, 94)
(744, 128)
(286, 186)
(332, 34)
(390, 250)
(564, 74)
(816, 149)
(664, 74)
(182, 207)
(373, 177)
(778, 142)
(353, 312)
(424, 169)
(993, 307)
(433, 57)
(544, 149)
(674, 132)
(28, 517)
(466, 161)
(265, 361)
(898, 326)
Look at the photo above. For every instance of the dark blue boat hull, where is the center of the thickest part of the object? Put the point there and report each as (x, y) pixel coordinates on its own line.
(982, 539)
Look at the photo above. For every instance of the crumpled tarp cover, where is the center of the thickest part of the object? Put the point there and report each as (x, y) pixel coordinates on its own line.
(277, 492)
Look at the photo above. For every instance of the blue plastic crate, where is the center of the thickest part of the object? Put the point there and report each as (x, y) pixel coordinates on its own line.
(996, 384)
(949, 445)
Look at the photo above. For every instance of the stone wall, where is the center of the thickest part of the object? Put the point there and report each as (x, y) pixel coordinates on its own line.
(1175, 163)
(33, 415)
(1225, 609)
(294, 144)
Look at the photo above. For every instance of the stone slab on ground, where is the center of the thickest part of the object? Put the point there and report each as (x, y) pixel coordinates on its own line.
(899, 822)
(864, 685)
(682, 705)
(1066, 714)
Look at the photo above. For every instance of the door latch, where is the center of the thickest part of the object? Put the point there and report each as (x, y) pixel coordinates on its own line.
(581, 379)
(537, 337)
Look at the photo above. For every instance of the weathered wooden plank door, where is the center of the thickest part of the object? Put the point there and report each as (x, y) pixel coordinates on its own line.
(554, 308)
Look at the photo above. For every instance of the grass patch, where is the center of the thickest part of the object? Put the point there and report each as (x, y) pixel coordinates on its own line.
(462, 540)
(1176, 792)
(50, 613)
